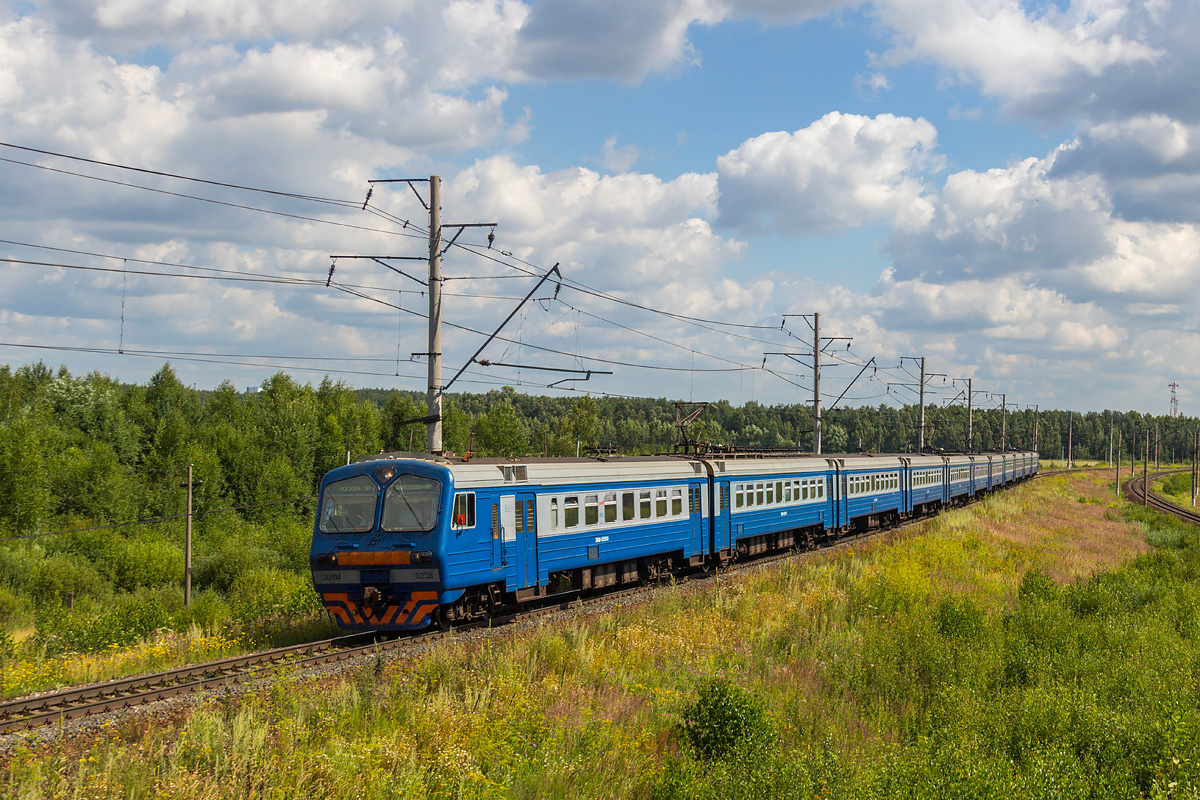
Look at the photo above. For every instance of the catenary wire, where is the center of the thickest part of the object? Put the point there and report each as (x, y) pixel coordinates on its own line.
(215, 202)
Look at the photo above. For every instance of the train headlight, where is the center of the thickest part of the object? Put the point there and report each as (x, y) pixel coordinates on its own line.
(384, 474)
(421, 557)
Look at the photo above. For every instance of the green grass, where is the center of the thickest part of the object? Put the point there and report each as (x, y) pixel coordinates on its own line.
(941, 663)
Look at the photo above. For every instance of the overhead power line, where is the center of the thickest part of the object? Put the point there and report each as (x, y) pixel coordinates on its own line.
(213, 201)
(294, 195)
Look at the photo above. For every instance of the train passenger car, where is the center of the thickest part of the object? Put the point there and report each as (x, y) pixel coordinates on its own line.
(996, 471)
(961, 487)
(775, 502)
(981, 474)
(925, 482)
(868, 492)
(608, 522)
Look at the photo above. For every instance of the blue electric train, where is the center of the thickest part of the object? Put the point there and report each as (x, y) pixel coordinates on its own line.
(403, 541)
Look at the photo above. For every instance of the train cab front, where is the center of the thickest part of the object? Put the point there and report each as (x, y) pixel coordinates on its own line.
(376, 546)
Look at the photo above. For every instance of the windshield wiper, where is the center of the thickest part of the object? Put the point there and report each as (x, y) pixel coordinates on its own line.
(413, 511)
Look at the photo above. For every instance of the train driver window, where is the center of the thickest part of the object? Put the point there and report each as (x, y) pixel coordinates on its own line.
(660, 503)
(591, 510)
(610, 507)
(627, 512)
(411, 503)
(349, 505)
(464, 511)
(553, 513)
(571, 512)
(644, 505)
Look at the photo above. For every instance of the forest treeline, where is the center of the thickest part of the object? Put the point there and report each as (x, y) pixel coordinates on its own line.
(90, 450)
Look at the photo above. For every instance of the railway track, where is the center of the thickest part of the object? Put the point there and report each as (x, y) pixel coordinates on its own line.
(1136, 490)
(80, 702)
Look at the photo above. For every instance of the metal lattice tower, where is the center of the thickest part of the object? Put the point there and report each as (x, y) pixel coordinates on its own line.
(1173, 385)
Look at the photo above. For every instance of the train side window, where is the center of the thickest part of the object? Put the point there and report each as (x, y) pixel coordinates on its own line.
(553, 513)
(644, 505)
(760, 494)
(464, 511)
(660, 503)
(520, 516)
(627, 507)
(677, 502)
(739, 496)
(750, 495)
(820, 488)
(571, 512)
(787, 492)
(591, 510)
(610, 507)
(804, 491)
(770, 493)
(778, 491)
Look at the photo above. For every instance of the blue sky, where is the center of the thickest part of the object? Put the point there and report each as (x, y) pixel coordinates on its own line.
(1008, 189)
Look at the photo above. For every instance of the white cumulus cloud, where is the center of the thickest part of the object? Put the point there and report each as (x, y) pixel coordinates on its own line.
(844, 170)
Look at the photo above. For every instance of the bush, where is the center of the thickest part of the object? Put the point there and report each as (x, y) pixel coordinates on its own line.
(959, 618)
(208, 612)
(221, 568)
(47, 577)
(723, 719)
(263, 599)
(14, 606)
(92, 625)
(149, 562)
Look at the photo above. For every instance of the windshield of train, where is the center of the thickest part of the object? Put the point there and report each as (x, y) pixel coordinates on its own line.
(411, 503)
(348, 506)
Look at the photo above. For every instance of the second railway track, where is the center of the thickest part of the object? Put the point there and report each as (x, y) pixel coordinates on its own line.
(1136, 490)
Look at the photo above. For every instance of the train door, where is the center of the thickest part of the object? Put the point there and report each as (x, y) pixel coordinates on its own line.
(525, 531)
(698, 501)
(508, 533)
(497, 536)
(722, 514)
(835, 490)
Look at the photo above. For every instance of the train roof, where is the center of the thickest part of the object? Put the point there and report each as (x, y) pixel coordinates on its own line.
(487, 472)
